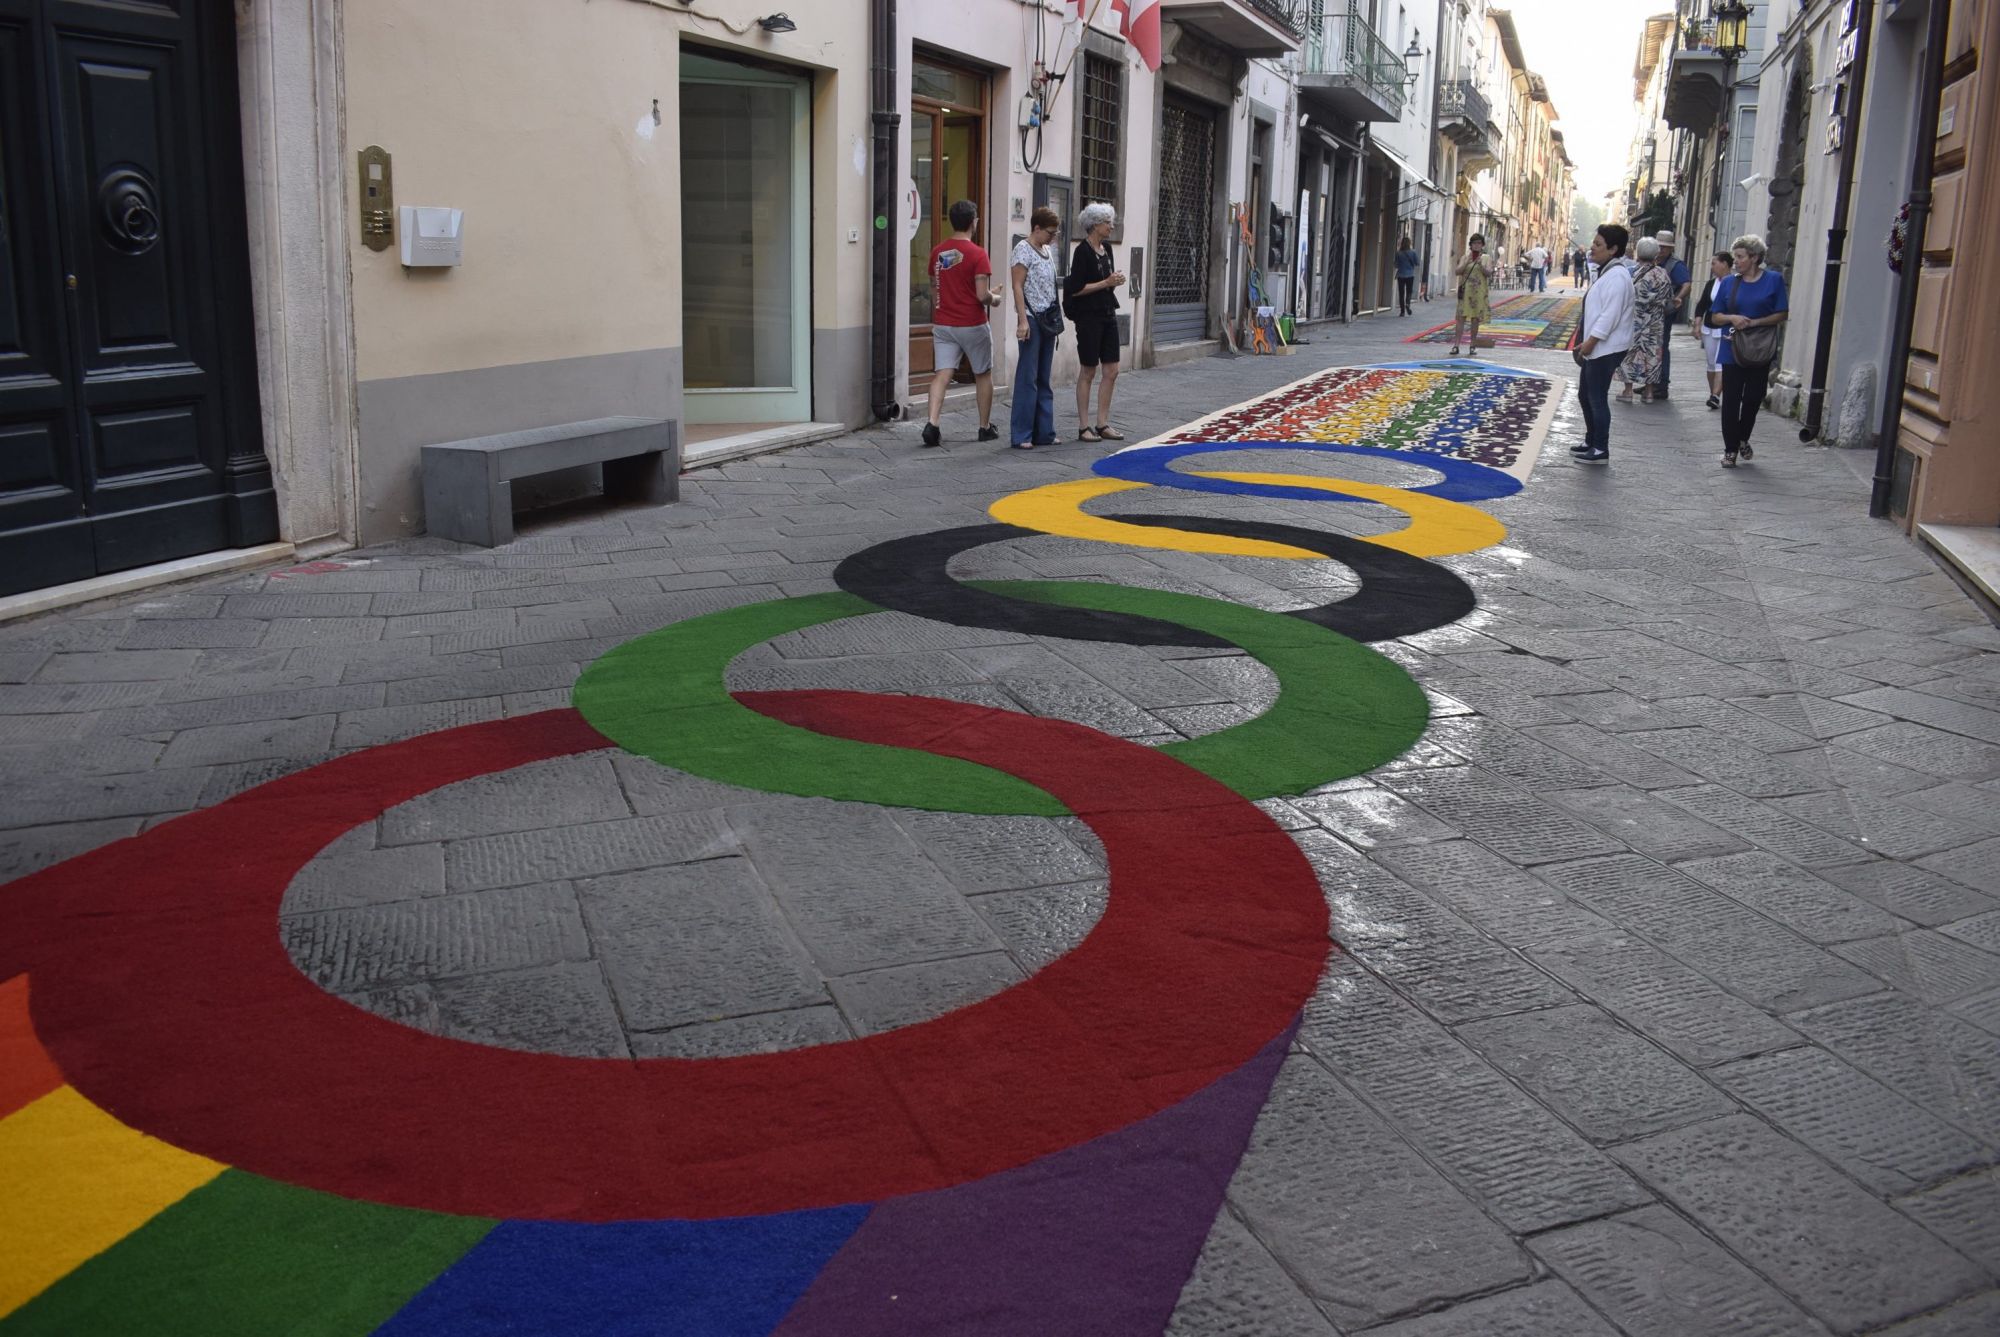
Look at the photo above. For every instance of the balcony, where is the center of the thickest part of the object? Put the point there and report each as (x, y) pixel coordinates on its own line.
(1349, 72)
(1464, 116)
(1247, 27)
(1697, 83)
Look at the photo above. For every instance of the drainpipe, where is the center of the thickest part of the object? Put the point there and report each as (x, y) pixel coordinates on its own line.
(887, 121)
(1921, 175)
(1836, 236)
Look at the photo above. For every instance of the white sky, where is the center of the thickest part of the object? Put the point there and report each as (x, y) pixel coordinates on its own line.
(1585, 51)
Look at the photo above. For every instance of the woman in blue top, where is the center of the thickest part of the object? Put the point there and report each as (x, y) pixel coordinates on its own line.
(1407, 261)
(1751, 296)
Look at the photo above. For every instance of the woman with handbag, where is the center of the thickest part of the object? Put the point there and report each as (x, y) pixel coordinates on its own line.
(1749, 308)
(1038, 320)
(1090, 296)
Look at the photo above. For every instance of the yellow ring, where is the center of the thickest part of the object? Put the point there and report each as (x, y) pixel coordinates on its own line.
(1437, 528)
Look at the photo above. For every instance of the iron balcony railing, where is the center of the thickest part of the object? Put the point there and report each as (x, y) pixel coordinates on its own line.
(1462, 98)
(1288, 13)
(1344, 46)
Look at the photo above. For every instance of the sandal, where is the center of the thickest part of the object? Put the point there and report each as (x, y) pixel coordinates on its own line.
(1106, 432)
(1088, 434)
(1021, 445)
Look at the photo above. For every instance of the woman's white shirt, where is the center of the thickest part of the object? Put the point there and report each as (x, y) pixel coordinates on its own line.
(1039, 281)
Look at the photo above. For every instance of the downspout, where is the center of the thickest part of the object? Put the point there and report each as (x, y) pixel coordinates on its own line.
(1922, 164)
(887, 122)
(1836, 236)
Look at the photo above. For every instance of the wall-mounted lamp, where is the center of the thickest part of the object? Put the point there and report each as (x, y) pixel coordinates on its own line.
(1413, 60)
(777, 23)
(1732, 28)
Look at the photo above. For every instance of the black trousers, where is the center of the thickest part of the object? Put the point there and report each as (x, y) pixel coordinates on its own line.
(1743, 390)
(1405, 287)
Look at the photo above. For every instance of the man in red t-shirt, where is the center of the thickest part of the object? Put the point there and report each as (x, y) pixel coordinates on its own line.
(962, 293)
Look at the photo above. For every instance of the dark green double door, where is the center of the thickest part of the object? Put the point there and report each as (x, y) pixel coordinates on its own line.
(129, 431)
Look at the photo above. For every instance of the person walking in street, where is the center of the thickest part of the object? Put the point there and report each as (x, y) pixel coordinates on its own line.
(1605, 336)
(1566, 260)
(1091, 302)
(1538, 268)
(1582, 277)
(1038, 321)
(1407, 261)
(1678, 273)
(1475, 278)
(1650, 290)
(961, 276)
(1719, 266)
(1748, 309)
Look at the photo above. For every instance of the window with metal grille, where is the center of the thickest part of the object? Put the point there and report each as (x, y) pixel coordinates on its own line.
(1097, 175)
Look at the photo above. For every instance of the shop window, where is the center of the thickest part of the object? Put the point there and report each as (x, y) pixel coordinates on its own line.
(1101, 127)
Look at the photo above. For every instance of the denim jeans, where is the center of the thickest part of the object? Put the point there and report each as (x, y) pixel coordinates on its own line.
(1593, 392)
(1033, 417)
(1405, 289)
(1538, 280)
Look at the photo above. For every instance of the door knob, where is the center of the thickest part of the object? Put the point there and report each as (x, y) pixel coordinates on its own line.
(129, 211)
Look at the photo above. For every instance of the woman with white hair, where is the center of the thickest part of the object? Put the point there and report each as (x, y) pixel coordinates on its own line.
(1652, 294)
(1090, 301)
(1748, 308)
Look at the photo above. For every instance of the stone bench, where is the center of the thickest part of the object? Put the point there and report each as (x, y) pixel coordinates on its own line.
(468, 485)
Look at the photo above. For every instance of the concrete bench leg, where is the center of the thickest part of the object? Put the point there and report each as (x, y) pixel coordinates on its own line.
(464, 502)
(641, 478)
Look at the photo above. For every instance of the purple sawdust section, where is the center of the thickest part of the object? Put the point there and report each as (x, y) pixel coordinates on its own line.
(1098, 1239)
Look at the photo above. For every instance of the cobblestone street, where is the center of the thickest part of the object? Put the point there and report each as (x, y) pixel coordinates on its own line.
(1667, 991)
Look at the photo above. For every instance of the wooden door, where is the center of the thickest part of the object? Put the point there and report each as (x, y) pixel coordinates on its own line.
(948, 164)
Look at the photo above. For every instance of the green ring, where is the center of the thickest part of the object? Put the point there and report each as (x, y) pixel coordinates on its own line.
(1342, 708)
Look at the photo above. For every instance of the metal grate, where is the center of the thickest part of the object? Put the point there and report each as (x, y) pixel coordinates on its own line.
(1103, 98)
(1180, 256)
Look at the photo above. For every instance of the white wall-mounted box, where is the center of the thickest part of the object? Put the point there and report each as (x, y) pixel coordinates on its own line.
(432, 237)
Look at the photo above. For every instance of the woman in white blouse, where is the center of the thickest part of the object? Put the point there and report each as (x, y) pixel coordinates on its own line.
(1037, 322)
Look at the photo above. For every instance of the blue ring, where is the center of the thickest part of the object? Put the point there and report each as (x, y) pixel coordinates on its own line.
(1464, 480)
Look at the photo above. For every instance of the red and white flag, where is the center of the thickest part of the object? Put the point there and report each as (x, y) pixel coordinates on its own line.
(1138, 23)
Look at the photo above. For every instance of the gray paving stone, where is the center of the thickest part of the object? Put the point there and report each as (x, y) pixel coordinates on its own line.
(1512, 905)
(1976, 866)
(1736, 765)
(1923, 708)
(1238, 1290)
(1766, 827)
(479, 681)
(981, 853)
(560, 1009)
(1893, 830)
(874, 1001)
(1720, 937)
(1544, 1309)
(1882, 1140)
(1512, 823)
(1645, 823)
(1657, 1276)
(544, 793)
(30, 849)
(1925, 964)
(696, 942)
(216, 744)
(50, 800)
(109, 666)
(1443, 964)
(242, 708)
(40, 730)
(1608, 1082)
(1517, 756)
(586, 849)
(1946, 1065)
(1965, 1213)
(1612, 756)
(69, 698)
(1921, 748)
(347, 874)
(436, 938)
(1526, 1167)
(1660, 998)
(1809, 905)
(859, 894)
(762, 1033)
(194, 634)
(1977, 1317)
(1371, 817)
(1848, 1259)
(1364, 1224)
(21, 665)
(1912, 893)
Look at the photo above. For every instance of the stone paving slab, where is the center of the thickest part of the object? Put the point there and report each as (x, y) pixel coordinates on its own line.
(1671, 977)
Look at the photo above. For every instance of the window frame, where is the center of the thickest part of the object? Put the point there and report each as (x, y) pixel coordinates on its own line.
(1111, 53)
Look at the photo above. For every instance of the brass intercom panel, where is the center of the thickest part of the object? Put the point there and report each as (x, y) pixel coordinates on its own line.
(378, 199)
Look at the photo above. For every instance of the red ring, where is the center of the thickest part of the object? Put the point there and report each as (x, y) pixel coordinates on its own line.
(163, 992)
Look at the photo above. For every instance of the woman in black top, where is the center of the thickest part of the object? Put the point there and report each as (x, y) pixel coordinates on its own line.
(1091, 303)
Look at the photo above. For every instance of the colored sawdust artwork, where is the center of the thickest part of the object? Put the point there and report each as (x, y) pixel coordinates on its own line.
(1525, 320)
(198, 1139)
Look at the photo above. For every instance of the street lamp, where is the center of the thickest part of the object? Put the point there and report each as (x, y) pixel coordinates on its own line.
(1732, 28)
(1413, 60)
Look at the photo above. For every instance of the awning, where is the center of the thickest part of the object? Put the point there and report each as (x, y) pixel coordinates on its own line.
(1417, 178)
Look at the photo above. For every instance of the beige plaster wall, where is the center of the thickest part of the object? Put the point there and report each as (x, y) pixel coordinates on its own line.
(535, 117)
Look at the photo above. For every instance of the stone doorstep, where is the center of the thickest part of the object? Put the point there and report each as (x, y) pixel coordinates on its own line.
(1972, 549)
(724, 449)
(16, 606)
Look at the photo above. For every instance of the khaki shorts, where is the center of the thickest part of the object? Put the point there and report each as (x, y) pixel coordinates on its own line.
(972, 342)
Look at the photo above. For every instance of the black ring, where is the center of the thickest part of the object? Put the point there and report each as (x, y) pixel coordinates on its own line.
(1400, 595)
